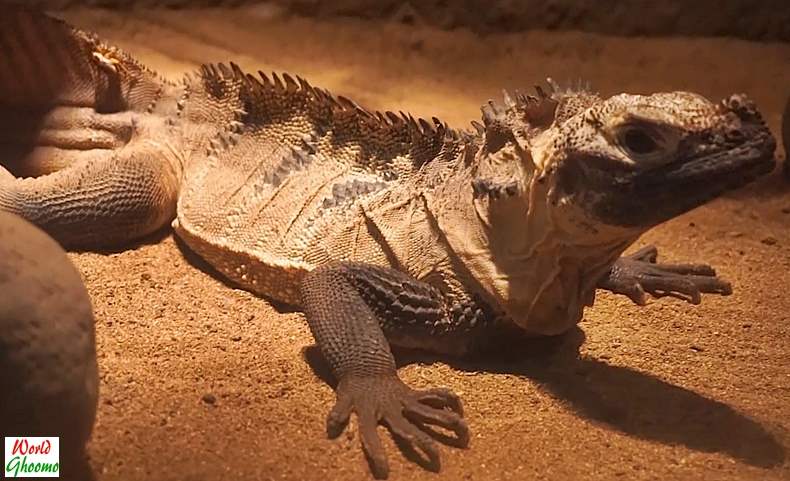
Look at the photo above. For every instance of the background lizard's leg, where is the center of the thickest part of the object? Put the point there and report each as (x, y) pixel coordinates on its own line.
(101, 202)
(68, 105)
(35, 143)
(350, 307)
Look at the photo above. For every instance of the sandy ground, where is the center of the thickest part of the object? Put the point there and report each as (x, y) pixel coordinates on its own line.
(669, 391)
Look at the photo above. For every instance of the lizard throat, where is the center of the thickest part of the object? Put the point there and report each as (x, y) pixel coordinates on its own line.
(542, 271)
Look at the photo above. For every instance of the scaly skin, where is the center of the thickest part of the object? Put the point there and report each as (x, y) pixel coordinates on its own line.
(386, 230)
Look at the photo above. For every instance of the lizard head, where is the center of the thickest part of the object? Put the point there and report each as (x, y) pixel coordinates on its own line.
(634, 161)
(563, 182)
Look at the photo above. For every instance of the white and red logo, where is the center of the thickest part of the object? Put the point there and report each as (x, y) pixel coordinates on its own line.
(32, 457)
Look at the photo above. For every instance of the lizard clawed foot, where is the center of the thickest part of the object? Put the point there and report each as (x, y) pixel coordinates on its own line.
(387, 400)
(638, 274)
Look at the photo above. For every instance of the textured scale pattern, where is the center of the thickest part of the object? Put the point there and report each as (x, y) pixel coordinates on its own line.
(98, 205)
(286, 185)
(363, 337)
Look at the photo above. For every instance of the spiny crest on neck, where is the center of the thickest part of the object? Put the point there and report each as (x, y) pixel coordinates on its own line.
(523, 116)
(504, 164)
(281, 102)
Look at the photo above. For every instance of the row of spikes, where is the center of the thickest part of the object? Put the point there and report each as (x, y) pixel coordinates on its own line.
(226, 139)
(537, 109)
(291, 85)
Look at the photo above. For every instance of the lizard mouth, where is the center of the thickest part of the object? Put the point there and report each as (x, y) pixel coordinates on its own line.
(649, 197)
(719, 171)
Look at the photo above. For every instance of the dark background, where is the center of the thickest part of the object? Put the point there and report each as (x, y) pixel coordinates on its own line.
(750, 19)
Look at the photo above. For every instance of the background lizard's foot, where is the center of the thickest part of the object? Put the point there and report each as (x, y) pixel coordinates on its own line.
(637, 274)
(387, 400)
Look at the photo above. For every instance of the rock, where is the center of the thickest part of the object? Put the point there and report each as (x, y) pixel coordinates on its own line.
(769, 241)
(48, 369)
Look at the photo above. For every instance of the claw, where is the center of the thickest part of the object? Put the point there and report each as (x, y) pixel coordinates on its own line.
(414, 439)
(338, 417)
(673, 287)
(440, 398)
(406, 413)
(638, 274)
(694, 269)
(637, 295)
(646, 254)
(420, 413)
(371, 445)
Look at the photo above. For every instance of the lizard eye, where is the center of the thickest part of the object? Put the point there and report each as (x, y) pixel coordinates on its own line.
(638, 141)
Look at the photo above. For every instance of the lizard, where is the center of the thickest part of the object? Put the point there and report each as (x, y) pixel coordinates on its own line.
(385, 230)
(47, 345)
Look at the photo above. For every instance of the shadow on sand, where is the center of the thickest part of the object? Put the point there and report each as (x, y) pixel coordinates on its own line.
(633, 402)
(624, 399)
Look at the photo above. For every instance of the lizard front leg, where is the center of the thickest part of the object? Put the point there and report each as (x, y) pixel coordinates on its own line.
(639, 274)
(351, 308)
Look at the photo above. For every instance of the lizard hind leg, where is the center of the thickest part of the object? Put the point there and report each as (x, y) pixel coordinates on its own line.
(69, 105)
